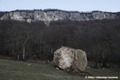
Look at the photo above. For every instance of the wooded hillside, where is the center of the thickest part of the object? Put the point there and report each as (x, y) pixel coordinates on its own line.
(100, 39)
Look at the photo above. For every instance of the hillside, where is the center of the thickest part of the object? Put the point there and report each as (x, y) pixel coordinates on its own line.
(99, 39)
(96, 32)
(17, 70)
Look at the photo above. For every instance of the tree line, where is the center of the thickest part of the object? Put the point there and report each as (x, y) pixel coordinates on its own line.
(100, 39)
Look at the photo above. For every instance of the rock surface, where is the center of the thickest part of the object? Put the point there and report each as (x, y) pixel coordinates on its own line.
(54, 15)
(70, 59)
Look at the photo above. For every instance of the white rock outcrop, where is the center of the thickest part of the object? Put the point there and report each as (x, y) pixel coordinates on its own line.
(56, 15)
(70, 59)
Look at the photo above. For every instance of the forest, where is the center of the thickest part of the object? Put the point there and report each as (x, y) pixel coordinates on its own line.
(100, 39)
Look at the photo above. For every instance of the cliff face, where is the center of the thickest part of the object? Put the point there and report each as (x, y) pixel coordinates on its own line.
(55, 15)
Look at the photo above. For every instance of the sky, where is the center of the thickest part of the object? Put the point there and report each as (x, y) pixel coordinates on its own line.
(69, 5)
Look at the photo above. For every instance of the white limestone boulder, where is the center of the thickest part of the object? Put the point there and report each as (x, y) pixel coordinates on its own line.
(70, 59)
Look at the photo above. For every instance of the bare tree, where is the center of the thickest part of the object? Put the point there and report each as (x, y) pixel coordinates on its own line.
(24, 46)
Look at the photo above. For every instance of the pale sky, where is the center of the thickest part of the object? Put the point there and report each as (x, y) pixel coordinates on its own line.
(69, 5)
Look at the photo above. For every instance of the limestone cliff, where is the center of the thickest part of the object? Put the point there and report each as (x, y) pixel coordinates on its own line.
(55, 15)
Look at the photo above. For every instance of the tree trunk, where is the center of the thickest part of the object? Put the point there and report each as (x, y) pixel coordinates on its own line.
(24, 47)
(18, 57)
(24, 52)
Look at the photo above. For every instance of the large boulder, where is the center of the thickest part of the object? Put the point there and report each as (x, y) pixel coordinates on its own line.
(70, 59)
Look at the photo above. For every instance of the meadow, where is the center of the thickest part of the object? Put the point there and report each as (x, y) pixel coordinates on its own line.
(20, 70)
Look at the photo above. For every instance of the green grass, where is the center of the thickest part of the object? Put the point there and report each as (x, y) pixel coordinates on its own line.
(18, 70)
(104, 72)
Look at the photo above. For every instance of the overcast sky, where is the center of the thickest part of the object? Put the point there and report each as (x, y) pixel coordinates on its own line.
(70, 5)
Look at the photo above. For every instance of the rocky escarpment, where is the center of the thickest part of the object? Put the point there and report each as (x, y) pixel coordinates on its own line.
(54, 15)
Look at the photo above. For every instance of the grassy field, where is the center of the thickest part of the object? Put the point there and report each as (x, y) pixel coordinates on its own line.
(18, 70)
